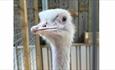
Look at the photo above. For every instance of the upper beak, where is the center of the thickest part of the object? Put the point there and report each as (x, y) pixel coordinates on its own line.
(42, 27)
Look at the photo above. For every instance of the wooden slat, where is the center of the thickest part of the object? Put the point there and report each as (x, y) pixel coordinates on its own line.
(97, 58)
(91, 57)
(73, 58)
(45, 59)
(33, 58)
(49, 59)
(78, 58)
(15, 59)
(83, 57)
(37, 41)
(21, 60)
(25, 34)
(87, 58)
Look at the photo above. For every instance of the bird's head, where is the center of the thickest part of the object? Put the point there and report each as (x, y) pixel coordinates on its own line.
(55, 25)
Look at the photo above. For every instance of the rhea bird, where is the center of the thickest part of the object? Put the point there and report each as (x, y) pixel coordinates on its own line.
(57, 28)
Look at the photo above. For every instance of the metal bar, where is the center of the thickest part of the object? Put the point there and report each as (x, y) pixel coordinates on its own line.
(25, 35)
(94, 26)
(44, 4)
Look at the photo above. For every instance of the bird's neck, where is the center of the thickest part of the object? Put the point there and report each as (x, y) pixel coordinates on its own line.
(61, 57)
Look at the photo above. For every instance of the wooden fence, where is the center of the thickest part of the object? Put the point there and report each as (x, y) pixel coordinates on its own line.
(80, 57)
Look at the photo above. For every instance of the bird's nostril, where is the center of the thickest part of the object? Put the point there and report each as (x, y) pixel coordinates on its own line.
(44, 26)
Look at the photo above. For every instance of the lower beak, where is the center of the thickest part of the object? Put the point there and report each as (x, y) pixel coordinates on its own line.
(36, 29)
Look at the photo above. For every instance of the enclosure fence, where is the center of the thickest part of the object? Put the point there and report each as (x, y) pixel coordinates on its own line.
(80, 57)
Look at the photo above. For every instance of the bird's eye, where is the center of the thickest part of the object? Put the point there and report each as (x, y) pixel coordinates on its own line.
(64, 19)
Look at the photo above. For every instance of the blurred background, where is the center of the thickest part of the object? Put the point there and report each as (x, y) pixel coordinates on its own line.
(32, 52)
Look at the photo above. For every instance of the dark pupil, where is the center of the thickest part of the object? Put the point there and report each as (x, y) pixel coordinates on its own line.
(64, 19)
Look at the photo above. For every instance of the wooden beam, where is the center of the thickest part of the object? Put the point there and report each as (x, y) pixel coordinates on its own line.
(39, 61)
(25, 35)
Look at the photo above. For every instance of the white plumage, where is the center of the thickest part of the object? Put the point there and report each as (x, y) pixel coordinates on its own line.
(57, 28)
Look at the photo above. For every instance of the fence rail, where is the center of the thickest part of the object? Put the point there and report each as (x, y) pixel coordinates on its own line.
(80, 57)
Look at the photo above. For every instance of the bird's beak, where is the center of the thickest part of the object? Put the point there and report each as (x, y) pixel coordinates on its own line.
(41, 27)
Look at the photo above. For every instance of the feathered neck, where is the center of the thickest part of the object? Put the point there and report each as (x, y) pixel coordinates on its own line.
(61, 57)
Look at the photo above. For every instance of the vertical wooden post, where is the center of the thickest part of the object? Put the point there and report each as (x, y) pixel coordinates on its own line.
(25, 34)
(39, 60)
